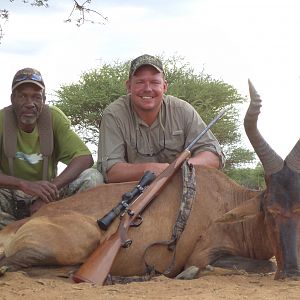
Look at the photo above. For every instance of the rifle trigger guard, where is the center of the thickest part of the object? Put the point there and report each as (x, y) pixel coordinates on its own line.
(137, 221)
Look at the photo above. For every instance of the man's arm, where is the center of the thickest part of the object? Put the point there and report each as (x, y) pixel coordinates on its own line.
(122, 171)
(73, 170)
(71, 150)
(48, 191)
(44, 190)
(206, 158)
(70, 173)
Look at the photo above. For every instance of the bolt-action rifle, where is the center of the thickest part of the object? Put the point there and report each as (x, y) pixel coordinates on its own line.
(96, 268)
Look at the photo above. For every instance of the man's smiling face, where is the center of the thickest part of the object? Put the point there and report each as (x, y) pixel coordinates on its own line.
(147, 87)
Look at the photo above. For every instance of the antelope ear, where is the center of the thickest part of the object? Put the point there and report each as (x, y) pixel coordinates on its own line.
(247, 209)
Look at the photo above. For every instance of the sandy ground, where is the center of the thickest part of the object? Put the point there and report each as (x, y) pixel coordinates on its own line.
(229, 285)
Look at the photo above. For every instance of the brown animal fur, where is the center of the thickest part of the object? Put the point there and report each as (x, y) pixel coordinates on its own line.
(65, 232)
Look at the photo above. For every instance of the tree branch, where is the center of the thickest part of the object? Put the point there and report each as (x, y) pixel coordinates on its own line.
(82, 9)
(94, 16)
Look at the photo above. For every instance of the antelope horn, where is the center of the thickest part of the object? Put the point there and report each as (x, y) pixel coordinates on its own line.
(270, 160)
(293, 158)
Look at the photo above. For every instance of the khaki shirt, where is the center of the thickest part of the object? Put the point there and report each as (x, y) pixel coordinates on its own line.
(124, 137)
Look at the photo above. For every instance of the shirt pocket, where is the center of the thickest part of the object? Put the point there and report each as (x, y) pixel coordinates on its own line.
(175, 144)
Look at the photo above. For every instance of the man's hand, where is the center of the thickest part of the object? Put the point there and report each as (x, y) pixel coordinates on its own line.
(157, 168)
(44, 190)
(206, 158)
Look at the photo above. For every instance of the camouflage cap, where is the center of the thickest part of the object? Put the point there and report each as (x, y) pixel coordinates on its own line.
(28, 75)
(145, 59)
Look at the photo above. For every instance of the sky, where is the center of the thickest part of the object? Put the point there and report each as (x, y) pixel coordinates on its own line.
(232, 40)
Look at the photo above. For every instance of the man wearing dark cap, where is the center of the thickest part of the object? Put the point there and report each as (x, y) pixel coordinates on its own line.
(34, 138)
(146, 129)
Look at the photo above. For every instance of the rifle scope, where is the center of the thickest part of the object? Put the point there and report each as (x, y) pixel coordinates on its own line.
(127, 198)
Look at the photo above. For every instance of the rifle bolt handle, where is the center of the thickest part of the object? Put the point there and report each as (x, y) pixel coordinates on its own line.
(130, 212)
(127, 243)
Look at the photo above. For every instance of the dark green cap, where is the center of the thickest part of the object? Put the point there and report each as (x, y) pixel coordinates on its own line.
(143, 60)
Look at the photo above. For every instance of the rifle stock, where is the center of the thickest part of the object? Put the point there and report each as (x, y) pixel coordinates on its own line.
(96, 268)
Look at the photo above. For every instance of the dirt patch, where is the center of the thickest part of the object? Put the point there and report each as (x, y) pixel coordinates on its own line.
(19, 285)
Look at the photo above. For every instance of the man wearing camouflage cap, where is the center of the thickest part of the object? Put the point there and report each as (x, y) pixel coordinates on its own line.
(146, 129)
(34, 138)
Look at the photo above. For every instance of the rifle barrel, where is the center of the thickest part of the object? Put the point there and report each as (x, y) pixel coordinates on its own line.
(201, 134)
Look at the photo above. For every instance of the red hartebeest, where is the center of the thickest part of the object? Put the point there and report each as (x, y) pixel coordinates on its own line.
(250, 223)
